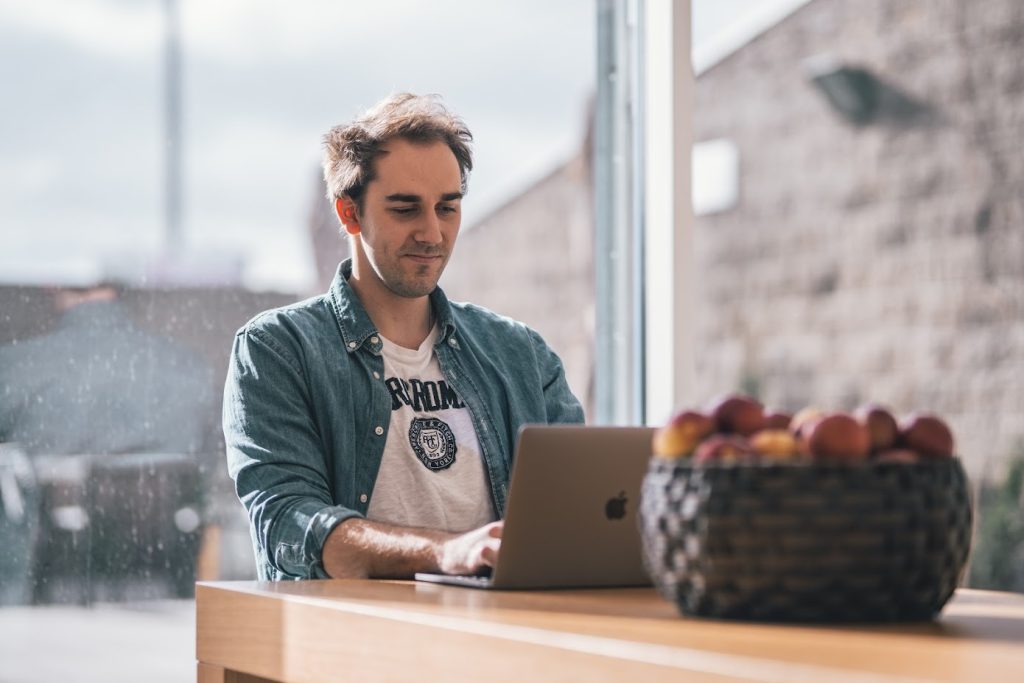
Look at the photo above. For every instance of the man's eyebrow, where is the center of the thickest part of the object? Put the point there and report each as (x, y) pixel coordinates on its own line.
(413, 198)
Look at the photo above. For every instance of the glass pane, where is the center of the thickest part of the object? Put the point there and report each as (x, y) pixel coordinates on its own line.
(866, 237)
(161, 186)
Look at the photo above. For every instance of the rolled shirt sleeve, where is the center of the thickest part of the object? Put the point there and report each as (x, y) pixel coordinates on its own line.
(277, 458)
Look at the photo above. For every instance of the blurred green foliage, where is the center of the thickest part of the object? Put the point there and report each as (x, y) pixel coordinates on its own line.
(997, 562)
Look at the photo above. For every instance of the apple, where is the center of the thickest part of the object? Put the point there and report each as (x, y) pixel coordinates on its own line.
(881, 426)
(738, 414)
(777, 420)
(722, 448)
(927, 435)
(898, 455)
(681, 434)
(803, 419)
(775, 443)
(838, 436)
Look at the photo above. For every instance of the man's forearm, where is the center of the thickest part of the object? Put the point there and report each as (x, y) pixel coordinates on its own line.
(359, 548)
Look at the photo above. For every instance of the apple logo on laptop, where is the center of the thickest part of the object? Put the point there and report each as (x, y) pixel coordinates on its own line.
(615, 508)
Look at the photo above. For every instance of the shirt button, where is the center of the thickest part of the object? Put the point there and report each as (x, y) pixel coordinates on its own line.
(376, 375)
(362, 498)
(454, 342)
(378, 431)
(352, 345)
(374, 339)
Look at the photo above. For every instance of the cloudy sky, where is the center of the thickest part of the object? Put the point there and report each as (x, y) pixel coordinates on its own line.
(81, 129)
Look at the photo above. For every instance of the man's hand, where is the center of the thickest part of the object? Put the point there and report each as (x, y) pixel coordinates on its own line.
(470, 552)
(359, 549)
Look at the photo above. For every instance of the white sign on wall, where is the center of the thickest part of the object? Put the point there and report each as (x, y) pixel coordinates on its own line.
(716, 176)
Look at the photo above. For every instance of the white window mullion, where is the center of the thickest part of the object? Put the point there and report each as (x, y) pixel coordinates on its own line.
(669, 271)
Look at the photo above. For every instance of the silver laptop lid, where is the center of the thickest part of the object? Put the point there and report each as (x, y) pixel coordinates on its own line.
(571, 514)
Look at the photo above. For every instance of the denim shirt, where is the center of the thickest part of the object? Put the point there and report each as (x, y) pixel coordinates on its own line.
(306, 412)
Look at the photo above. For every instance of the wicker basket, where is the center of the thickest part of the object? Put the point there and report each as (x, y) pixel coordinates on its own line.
(807, 542)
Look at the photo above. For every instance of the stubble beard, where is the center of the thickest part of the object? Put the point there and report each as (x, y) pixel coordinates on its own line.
(420, 283)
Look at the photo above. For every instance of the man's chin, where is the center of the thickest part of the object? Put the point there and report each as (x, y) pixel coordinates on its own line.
(412, 282)
(413, 290)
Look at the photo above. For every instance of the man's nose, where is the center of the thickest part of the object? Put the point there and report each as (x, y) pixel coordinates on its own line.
(429, 229)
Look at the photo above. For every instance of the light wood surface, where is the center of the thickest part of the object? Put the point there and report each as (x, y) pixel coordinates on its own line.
(368, 631)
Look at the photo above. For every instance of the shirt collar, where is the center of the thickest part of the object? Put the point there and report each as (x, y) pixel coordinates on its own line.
(354, 321)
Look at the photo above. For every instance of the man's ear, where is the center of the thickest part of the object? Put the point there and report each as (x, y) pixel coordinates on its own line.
(346, 210)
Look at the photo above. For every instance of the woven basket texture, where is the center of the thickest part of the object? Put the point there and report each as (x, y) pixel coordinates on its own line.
(821, 542)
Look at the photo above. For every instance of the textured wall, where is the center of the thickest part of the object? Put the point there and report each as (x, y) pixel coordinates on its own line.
(880, 262)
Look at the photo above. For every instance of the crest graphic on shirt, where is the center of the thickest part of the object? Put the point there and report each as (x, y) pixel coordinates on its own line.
(433, 442)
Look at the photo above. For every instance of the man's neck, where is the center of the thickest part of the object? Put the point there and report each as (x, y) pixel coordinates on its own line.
(404, 321)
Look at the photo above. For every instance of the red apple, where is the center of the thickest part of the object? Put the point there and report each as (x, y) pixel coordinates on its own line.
(681, 434)
(928, 435)
(738, 414)
(722, 448)
(881, 426)
(838, 436)
(777, 420)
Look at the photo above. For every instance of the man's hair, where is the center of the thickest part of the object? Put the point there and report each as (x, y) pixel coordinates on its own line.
(350, 150)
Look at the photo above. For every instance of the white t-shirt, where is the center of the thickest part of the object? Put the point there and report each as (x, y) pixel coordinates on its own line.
(432, 473)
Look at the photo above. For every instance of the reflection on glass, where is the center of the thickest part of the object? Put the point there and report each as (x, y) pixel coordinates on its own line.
(113, 419)
(99, 384)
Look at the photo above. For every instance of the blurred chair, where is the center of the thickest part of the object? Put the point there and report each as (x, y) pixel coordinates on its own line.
(19, 524)
(117, 527)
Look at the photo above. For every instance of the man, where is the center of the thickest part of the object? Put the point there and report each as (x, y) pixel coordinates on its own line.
(370, 430)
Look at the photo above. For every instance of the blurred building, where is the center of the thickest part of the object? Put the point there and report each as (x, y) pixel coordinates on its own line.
(330, 246)
(202, 320)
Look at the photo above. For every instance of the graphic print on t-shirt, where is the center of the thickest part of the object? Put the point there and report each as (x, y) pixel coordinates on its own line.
(422, 396)
(432, 472)
(433, 442)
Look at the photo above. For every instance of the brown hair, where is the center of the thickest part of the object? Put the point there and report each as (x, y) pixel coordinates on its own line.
(350, 150)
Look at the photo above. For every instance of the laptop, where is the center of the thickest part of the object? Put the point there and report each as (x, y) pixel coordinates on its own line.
(571, 515)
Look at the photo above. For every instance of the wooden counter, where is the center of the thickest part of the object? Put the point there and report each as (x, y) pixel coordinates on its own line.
(368, 631)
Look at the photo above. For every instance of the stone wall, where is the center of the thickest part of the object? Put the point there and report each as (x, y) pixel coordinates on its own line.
(883, 261)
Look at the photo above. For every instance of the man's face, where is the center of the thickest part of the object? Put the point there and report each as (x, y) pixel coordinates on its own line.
(410, 217)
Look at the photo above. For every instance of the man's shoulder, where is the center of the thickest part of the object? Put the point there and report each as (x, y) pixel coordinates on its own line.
(312, 309)
(465, 312)
(490, 325)
(302, 319)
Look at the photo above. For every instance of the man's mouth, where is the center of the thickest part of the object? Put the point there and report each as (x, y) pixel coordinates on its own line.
(424, 258)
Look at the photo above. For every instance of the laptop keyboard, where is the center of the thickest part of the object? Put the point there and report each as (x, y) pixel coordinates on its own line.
(475, 580)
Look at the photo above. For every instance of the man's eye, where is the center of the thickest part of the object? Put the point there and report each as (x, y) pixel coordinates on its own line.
(447, 209)
(403, 210)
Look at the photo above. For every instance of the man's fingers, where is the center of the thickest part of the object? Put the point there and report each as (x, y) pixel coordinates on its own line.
(489, 552)
(495, 528)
